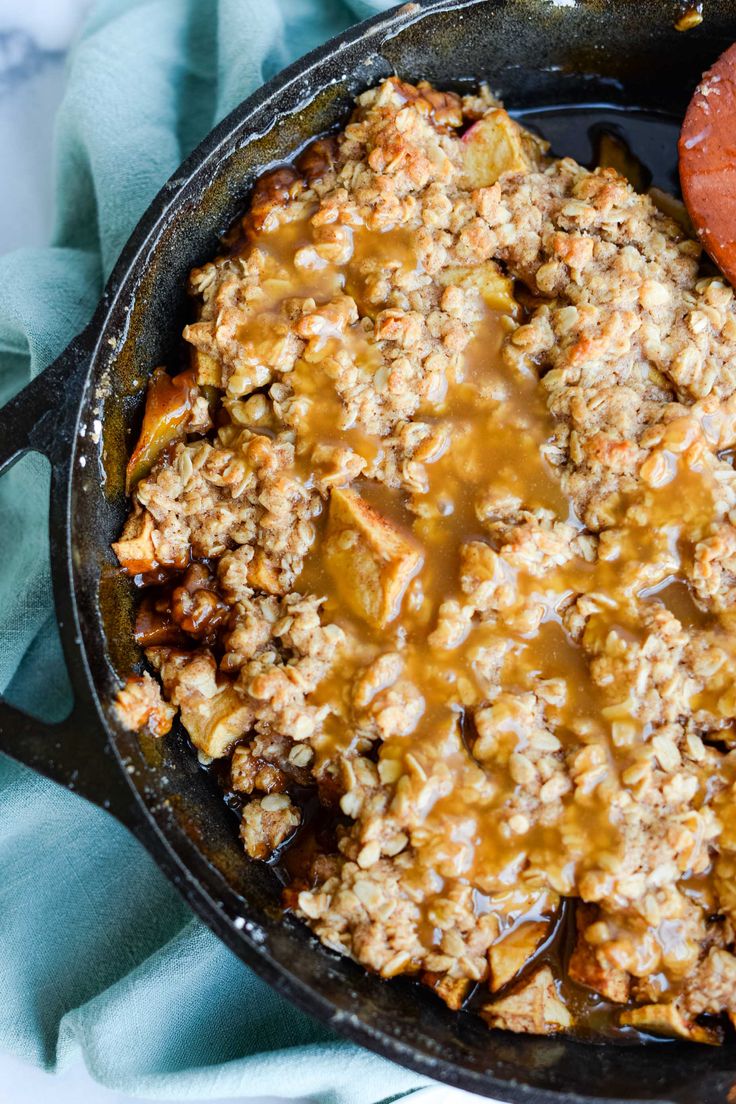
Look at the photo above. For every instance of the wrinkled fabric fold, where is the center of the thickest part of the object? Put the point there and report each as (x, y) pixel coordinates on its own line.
(99, 956)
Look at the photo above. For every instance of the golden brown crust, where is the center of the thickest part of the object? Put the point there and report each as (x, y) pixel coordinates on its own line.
(139, 706)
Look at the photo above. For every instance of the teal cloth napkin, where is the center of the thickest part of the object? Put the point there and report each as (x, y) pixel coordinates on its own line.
(98, 954)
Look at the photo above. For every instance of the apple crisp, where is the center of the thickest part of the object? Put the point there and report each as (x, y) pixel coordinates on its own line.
(436, 536)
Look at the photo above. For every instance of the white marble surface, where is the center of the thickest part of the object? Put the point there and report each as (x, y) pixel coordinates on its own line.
(34, 38)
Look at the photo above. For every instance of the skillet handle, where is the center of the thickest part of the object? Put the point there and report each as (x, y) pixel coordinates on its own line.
(41, 418)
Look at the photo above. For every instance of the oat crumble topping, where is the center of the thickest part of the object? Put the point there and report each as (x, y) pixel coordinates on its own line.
(441, 524)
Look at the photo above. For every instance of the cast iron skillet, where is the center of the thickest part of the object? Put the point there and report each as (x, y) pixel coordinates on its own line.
(542, 57)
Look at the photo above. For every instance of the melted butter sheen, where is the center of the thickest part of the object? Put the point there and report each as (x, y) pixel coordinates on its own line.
(497, 425)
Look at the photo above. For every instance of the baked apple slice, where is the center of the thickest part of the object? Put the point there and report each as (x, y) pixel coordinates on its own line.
(372, 562)
(168, 406)
(496, 145)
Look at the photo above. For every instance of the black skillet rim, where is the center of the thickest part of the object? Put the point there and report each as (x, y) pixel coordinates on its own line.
(124, 280)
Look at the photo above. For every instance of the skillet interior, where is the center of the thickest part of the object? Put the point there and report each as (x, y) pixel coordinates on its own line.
(536, 55)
